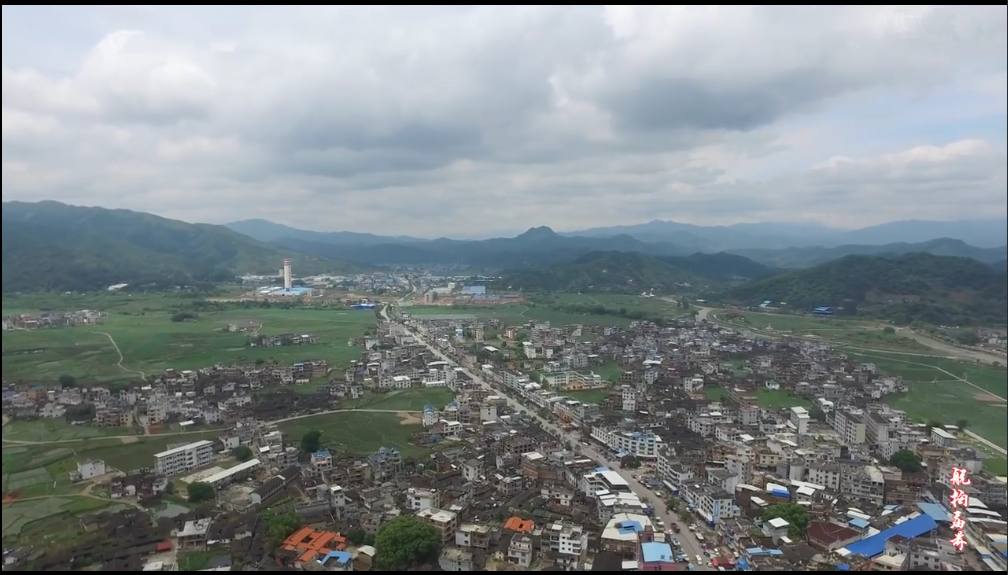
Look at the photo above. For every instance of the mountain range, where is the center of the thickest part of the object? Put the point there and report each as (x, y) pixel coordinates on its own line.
(54, 246)
(542, 245)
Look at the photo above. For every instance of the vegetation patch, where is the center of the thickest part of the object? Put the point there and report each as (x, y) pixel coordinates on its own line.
(359, 433)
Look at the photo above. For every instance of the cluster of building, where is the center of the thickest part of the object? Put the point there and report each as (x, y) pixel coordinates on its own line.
(53, 319)
(515, 472)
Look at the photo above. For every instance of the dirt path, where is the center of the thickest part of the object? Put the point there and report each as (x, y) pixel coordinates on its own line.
(119, 363)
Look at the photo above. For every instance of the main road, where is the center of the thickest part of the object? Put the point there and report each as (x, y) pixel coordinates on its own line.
(686, 538)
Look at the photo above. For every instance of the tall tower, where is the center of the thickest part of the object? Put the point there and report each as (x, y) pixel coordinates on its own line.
(287, 274)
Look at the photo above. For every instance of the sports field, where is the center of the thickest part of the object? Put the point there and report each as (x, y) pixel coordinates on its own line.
(150, 342)
(360, 433)
(405, 400)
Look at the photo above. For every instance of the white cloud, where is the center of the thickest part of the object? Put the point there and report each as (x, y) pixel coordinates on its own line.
(440, 121)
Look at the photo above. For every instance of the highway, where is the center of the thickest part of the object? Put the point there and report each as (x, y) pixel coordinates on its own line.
(686, 538)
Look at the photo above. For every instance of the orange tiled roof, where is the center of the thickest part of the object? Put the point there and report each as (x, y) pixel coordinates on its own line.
(519, 525)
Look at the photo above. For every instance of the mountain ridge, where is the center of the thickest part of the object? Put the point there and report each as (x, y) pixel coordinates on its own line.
(56, 246)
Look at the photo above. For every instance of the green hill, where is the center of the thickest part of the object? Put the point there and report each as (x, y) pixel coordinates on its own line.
(632, 272)
(53, 246)
(917, 287)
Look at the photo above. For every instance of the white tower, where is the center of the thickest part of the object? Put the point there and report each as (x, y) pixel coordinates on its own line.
(287, 274)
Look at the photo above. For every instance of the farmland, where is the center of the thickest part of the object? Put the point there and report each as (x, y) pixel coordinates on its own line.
(51, 520)
(937, 395)
(405, 400)
(359, 432)
(142, 331)
(841, 331)
(556, 309)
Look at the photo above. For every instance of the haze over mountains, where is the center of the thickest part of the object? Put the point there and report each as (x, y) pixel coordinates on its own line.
(774, 245)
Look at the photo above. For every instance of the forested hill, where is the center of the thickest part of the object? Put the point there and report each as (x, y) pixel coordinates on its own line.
(54, 246)
(918, 287)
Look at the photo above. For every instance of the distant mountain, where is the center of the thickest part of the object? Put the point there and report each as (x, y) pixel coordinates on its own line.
(632, 272)
(915, 287)
(267, 231)
(54, 246)
(982, 233)
(711, 239)
(815, 255)
(537, 246)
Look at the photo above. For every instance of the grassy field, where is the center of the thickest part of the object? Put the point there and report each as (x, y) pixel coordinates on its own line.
(588, 395)
(150, 342)
(405, 400)
(849, 331)
(515, 315)
(52, 521)
(56, 430)
(935, 395)
(358, 433)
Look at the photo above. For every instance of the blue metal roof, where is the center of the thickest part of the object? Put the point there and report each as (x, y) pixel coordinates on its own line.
(858, 522)
(875, 545)
(341, 557)
(654, 551)
(933, 510)
(629, 527)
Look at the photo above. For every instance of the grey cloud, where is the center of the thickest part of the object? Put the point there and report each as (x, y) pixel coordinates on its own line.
(437, 120)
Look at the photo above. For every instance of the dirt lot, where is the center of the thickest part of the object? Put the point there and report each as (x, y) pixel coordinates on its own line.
(406, 418)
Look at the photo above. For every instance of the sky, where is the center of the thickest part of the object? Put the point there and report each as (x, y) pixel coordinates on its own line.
(463, 121)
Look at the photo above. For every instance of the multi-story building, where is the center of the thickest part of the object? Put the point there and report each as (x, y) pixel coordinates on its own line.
(184, 458)
(849, 424)
(863, 482)
(445, 521)
(568, 540)
(637, 443)
(418, 498)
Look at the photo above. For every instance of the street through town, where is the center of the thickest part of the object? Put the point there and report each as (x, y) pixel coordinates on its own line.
(686, 538)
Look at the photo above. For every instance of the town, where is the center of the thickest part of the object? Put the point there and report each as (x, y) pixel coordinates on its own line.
(582, 447)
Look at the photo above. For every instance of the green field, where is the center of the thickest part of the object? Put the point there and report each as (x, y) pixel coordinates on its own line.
(588, 395)
(51, 521)
(150, 342)
(56, 430)
(359, 433)
(848, 331)
(516, 315)
(935, 394)
(405, 400)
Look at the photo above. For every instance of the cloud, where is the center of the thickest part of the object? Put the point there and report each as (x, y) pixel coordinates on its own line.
(448, 120)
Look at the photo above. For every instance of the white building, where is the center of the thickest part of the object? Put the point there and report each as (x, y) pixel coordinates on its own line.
(90, 469)
(638, 443)
(418, 498)
(228, 476)
(184, 458)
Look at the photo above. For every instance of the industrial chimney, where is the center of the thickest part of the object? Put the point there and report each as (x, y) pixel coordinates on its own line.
(287, 274)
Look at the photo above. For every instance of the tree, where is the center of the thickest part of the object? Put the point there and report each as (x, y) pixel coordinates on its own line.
(406, 542)
(796, 516)
(311, 441)
(630, 462)
(818, 414)
(242, 453)
(907, 461)
(200, 491)
(356, 537)
(888, 329)
(67, 380)
(280, 527)
(962, 424)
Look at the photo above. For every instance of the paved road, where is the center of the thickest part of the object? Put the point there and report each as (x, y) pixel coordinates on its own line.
(689, 542)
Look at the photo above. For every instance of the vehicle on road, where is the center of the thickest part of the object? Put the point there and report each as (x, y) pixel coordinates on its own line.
(675, 527)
